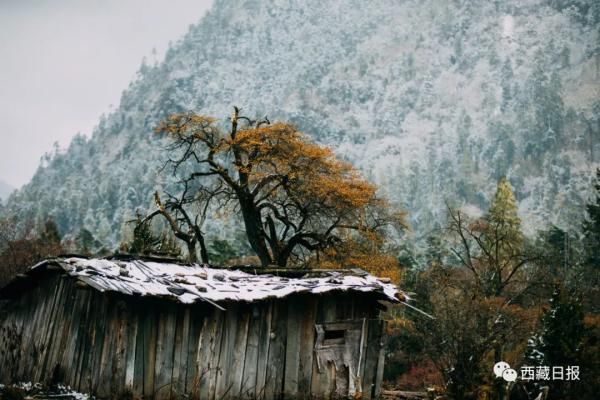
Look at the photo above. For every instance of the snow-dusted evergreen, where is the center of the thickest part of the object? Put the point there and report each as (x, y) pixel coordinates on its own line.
(433, 100)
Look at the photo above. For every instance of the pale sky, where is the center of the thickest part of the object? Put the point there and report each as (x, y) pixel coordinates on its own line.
(65, 62)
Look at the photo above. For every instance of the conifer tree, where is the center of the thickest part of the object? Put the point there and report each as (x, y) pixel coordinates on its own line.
(144, 240)
(503, 218)
(50, 234)
(85, 242)
(558, 342)
(591, 226)
(502, 240)
(168, 245)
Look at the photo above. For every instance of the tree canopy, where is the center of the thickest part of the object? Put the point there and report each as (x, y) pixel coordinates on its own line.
(299, 203)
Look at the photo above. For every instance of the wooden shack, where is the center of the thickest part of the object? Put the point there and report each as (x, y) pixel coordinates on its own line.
(158, 330)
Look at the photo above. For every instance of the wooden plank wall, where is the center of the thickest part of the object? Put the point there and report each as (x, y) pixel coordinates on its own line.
(112, 345)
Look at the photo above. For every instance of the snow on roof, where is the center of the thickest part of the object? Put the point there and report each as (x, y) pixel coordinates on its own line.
(191, 283)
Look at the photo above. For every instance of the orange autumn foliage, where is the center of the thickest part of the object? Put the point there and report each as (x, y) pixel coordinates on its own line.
(300, 204)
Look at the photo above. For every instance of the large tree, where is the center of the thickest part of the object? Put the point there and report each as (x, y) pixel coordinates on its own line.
(492, 247)
(298, 202)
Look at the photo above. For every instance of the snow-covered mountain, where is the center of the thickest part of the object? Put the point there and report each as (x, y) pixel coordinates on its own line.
(433, 100)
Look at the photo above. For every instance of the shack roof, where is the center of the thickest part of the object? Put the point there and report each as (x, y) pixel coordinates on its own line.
(191, 283)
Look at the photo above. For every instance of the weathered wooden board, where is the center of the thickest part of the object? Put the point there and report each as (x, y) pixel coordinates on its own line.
(380, 361)
(235, 369)
(225, 377)
(150, 332)
(110, 345)
(307, 344)
(180, 353)
(214, 352)
(139, 362)
(105, 333)
(327, 309)
(163, 367)
(250, 370)
(277, 352)
(197, 317)
(372, 357)
(48, 331)
(84, 340)
(264, 342)
(201, 382)
(207, 346)
(131, 349)
(292, 347)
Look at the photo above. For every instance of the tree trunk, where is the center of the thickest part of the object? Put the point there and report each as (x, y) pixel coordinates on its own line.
(254, 230)
(500, 384)
(192, 258)
(252, 220)
(203, 250)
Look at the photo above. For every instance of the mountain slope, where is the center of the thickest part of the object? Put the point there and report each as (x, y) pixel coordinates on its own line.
(433, 100)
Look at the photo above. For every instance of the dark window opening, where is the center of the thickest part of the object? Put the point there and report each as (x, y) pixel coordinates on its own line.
(334, 336)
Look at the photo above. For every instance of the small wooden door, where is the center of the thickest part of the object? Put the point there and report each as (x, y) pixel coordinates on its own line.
(339, 349)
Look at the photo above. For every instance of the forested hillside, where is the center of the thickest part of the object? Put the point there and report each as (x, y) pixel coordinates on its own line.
(433, 100)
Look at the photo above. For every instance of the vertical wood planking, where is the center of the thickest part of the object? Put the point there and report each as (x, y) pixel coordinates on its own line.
(140, 353)
(37, 330)
(344, 307)
(132, 336)
(61, 336)
(170, 350)
(276, 358)
(48, 324)
(83, 353)
(248, 386)
(263, 349)
(215, 354)
(235, 371)
(71, 352)
(372, 358)
(149, 351)
(224, 378)
(292, 351)
(28, 305)
(363, 350)
(119, 366)
(197, 320)
(164, 353)
(181, 352)
(307, 344)
(176, 389)
(103, 379)
(328, 309)
(204, 354)
(380, 360)
(96, 343)
(158, 388)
